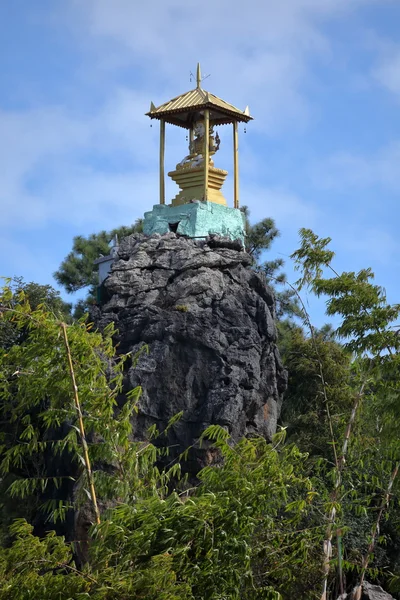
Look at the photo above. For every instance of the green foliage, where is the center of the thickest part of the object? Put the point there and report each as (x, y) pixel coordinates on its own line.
(259, 238)
(367, 319)
(232, 537)
(366, 469)
(40, 444)
(311, 257)
(34, 568)
(238, 534)
(304, 410)
(37, 295)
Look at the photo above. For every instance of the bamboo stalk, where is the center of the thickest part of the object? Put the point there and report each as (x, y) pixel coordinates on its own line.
(340, 560)
(81, 426)
(332, 515)
(385, 502)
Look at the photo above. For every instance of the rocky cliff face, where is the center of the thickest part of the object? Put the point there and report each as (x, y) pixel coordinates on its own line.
(369, 592)
(208, 320)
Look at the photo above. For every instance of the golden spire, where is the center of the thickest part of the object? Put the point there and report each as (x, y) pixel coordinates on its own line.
(198, 76)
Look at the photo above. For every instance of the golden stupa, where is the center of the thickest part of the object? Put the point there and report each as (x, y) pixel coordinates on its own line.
(199, 111)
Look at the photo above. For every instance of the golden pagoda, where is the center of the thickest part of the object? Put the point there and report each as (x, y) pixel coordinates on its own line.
(199, 208)
(199, 112)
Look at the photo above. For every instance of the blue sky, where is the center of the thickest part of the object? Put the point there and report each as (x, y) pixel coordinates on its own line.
(321, 77)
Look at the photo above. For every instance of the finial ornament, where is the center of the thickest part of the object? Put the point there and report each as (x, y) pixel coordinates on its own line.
(198, 76)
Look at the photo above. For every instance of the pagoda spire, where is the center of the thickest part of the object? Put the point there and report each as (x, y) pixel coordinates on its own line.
(198, 76)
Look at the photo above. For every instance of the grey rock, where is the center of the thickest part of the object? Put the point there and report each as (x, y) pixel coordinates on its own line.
(209, 322)
(369, 592)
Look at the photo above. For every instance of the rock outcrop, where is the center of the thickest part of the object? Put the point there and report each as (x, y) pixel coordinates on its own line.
(369, 592)
(208, 319)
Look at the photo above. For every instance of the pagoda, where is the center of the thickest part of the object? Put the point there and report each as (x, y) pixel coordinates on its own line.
(199, 209)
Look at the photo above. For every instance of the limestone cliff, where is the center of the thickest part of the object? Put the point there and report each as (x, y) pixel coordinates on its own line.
(208, 320)
(369, 592)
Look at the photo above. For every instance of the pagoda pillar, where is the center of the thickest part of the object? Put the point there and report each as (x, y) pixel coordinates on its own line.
(235, 165)
(162, 155)
(206, 151)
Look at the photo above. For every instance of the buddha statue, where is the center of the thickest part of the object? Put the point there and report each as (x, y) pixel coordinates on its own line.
(196, 147)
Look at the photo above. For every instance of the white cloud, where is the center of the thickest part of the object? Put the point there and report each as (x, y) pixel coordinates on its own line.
(373, 244)
(257, 53)
(60, 164)
(22, 258)
(288, 209)
(360, 170)
(387, 71)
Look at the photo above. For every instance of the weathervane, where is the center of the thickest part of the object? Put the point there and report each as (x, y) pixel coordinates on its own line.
(198, 78)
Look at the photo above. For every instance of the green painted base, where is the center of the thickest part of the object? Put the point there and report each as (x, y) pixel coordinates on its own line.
(196, 220)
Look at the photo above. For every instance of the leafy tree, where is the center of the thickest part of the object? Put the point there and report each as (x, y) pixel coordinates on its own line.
(238, 534)
(304, 410)
(42, 446)
(234, 536)
(34, 568)
(36, 295)
(12, 333)
(259, 238)
(369, 329)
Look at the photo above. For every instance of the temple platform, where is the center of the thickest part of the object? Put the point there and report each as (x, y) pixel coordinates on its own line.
(197, 219)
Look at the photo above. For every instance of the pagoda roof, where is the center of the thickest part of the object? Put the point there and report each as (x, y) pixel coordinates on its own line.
(184, 109)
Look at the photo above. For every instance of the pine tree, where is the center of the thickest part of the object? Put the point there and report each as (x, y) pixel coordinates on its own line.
(78, 271)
